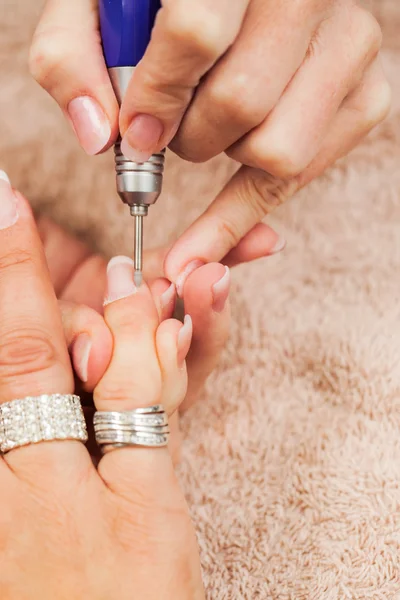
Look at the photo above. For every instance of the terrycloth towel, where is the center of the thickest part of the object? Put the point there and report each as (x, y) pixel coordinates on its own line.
(292, 460)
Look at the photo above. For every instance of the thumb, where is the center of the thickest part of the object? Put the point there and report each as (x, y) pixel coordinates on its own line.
(186, 42)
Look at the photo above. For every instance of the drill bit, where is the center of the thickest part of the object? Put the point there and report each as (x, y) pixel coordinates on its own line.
(138, 249)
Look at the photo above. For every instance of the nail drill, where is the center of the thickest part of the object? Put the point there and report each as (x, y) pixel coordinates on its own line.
(126, 27)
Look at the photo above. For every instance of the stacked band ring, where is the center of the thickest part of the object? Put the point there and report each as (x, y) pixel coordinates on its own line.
(139, 427)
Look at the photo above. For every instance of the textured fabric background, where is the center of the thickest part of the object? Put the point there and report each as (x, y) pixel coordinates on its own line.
(292, 460)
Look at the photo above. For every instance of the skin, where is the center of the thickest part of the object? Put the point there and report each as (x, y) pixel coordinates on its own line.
(284, 88)
(81, 285)
(65, 524)
(79, 280)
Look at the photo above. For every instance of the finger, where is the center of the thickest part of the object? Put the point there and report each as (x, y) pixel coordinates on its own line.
(291, 136)
(259, 242)
(238, 93)
(206, 297)
(251, 194)
(89, 340)
(88, 283)
(143, 477)
(66, 59)
(134, 374)
(187, 39)
(33, 355)
(164, 296)
(173, 342)
(133, 378)
(364, 108)
(246, 199)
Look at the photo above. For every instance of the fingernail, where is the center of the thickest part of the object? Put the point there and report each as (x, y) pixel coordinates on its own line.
(184, 339)
(220, 291)
(120, 284)
(279, 246)
(8, 203)
(142, 138)
(167, 297)
(90, 123)
(181, 279)
(80, 355)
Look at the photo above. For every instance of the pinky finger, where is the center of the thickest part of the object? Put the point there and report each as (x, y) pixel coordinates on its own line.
(363, 109)
(173, 342)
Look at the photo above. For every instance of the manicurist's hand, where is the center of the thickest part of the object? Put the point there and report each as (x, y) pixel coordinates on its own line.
(285, 88)
(68, 529)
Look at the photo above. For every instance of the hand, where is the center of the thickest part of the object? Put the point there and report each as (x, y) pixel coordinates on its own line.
(67, 528)
(79, 279)
(284, 88)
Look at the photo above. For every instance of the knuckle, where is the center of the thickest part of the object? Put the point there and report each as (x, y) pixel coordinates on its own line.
(15, 258)
(124, 319)
(234, 99)
(45, 56)
(378, 104)
(280, 161)
(229, 231)
(25, 352)
(265, 191)
(120, 394)
(199, 28)
(369, 31)
(187, 151)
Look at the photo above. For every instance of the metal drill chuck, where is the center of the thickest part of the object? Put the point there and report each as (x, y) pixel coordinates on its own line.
(139, 183)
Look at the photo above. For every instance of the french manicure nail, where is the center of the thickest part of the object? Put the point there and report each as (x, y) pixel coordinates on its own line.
(188, 270)
(8, 203)
(220, 291)
(167, 297)
(184, 339)
(141, 138)
(279, 246)
(120, 284)
(80, 354)
(90, 123)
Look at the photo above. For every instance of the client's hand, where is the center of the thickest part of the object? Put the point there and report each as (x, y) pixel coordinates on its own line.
(79, 279)
(67, 529)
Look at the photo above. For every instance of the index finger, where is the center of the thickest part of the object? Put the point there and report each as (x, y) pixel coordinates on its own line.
(33, 354)
(66, 59)
(187, 40)
(247, 198)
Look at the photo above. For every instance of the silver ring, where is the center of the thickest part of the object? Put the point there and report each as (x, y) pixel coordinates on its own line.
(140, 427)
(43, 418)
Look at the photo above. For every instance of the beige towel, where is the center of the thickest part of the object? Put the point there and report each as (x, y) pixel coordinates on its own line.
(292, 460)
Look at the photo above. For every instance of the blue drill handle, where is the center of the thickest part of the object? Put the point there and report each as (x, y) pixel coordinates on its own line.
(126, 27)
